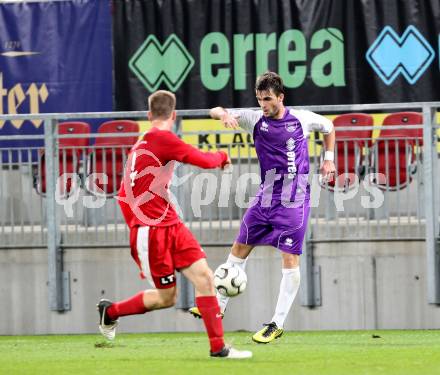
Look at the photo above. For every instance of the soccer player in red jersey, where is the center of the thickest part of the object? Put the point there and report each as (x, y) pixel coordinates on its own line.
(160, 243)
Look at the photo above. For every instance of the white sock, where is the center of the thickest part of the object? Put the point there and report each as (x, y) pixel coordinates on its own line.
(288, 289)
(232, 259)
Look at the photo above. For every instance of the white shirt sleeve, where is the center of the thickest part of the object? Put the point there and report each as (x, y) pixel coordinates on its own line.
(247, 118)
(311, 122)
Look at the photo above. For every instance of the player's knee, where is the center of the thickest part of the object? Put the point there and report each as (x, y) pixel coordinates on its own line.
(241, 250)
(290, 260)
(170, 301)
(207, 277)
(205, 280)
(169, 298)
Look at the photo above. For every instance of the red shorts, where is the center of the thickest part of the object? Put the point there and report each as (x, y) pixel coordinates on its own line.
(159, 251)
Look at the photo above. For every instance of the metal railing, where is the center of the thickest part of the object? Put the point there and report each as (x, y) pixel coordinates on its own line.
(360, 206)
(339, 213)
(213, 203)
(378, 193)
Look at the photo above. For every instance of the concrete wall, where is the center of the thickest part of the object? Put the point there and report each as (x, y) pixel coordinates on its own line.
(364, 286)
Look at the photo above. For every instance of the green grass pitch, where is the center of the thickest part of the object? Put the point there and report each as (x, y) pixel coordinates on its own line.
(320, 353)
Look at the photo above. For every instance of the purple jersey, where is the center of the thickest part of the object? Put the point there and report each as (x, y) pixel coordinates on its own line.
(282, 149)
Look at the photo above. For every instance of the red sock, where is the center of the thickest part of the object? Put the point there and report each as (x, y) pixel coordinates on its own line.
(132, 306)
(210, 311)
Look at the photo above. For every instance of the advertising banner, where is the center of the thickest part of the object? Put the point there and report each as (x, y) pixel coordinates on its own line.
(54, 57)
(327, 52)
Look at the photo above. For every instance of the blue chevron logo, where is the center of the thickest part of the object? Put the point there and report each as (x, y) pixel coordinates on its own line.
(391, 55)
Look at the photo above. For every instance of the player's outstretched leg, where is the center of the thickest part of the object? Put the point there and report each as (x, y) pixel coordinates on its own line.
(288, 290)
(222, 300)
(110, 312)
(107, 326)
(239, 262)
(208, 305)
(201, 277)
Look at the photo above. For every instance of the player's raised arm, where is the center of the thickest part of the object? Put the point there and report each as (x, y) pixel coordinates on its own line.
(228, 120)
(233, 119)
(188, 154)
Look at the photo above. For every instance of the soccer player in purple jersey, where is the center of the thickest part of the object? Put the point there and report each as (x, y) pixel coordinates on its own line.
(279, 214)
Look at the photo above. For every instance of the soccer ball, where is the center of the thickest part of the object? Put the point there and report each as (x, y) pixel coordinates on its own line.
(230, 280)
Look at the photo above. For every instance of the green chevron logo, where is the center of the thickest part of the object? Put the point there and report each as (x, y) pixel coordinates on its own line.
(154, 63)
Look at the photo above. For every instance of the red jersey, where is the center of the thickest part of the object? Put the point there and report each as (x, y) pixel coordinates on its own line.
(144, 196)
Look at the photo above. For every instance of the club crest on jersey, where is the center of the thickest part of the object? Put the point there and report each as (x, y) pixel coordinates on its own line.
(264, 127)
(290, 144)
(290, 126)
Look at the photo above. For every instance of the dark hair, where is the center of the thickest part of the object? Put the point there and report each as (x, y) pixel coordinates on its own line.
(161, 104)
(268, 81)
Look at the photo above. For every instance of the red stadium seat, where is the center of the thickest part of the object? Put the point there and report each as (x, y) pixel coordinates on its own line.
(109, 154)
(349, 149)
(395, 151)
(69, 156)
